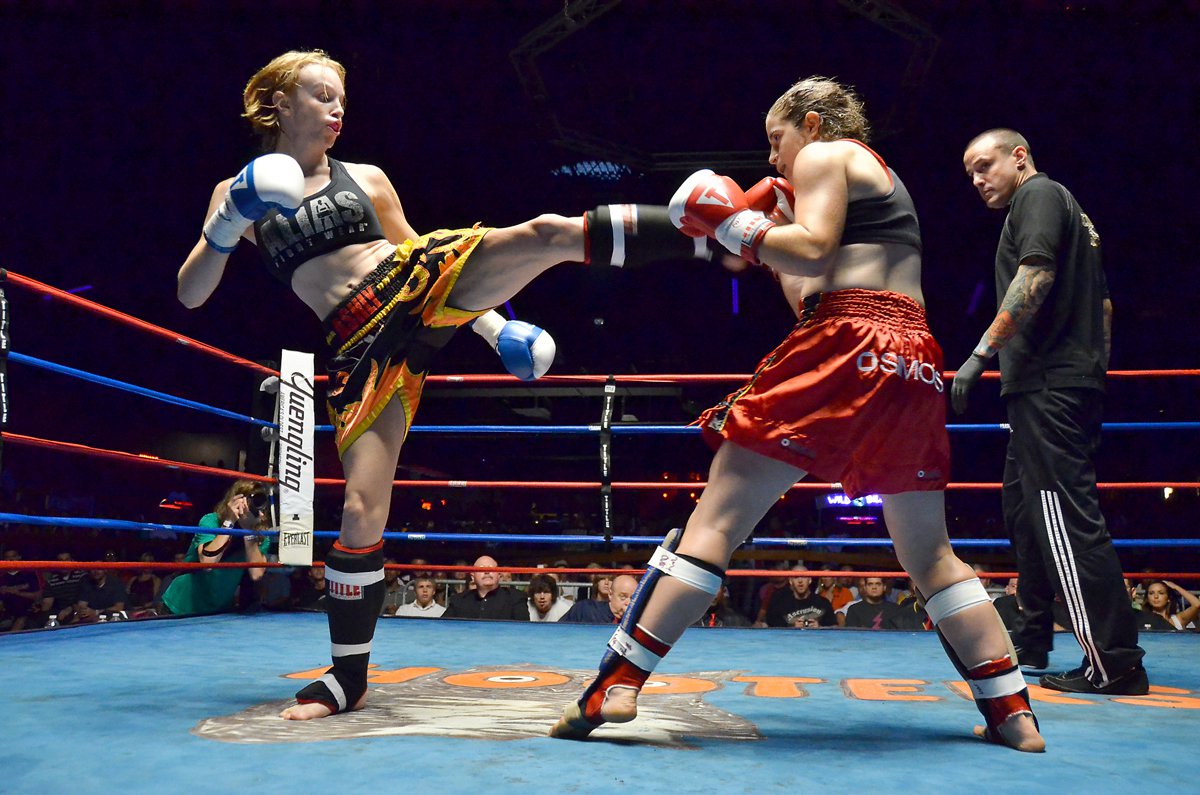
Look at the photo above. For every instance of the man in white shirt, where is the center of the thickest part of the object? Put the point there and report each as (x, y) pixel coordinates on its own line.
(424, 606)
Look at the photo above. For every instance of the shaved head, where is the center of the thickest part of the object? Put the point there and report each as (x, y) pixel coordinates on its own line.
(1004, 139)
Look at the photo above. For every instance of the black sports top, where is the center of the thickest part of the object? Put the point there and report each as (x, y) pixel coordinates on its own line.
(891, 218)
(338, 215)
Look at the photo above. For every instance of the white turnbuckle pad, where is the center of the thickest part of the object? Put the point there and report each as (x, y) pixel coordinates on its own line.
(296, 415)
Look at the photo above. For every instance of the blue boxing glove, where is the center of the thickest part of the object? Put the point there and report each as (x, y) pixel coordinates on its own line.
(270, 182)
(526, 350)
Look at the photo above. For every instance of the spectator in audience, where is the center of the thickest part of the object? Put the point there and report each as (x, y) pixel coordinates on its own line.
(100, 593)
(395, 589)
(766, 591)
(848, 580)
(20, 594)
(424, 604)
(566, 590)
(1159, 612)
(62, 590)
(835, 592)
(204, 591)
(143, 588)
(1137, 594)
(276, 586)
(872, 611)
(487, 600)
(901, 590)
(544, 601)
(464, 582)
(310, 595)
(911, 615)
(593, 611)
(601, 585)
(1007, 606)
(168, 578)
(798, 607)
(993, 588)
(721, 614)
(410, 576)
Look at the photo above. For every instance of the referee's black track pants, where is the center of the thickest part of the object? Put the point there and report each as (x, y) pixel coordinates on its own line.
(1062, 546)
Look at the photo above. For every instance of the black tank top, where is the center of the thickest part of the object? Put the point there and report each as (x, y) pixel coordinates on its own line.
(891, 218)
(338, 215)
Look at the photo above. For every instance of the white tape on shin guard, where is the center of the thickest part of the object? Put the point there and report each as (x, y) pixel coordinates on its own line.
(955, 599)
(617, 214)
(628, 647)
(362, 578)
(685, 571)
(994, 687)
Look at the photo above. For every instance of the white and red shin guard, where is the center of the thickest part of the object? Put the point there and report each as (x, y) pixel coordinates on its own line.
(634, 651)
(354, 592)
(998, 687)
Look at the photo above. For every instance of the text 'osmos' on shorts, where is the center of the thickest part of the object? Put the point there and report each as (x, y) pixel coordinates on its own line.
(853, 395)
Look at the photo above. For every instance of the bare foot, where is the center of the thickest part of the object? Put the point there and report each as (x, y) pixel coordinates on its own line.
(620, 704)
(313, 710)
(306, 711)
(1018, 733)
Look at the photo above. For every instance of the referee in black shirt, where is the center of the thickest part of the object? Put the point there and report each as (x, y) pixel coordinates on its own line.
(1052, 332)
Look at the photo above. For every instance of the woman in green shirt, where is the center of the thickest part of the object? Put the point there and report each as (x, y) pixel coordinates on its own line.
(198, 592)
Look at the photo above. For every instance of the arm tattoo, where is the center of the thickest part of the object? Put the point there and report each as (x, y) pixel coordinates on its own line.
(1025, 296)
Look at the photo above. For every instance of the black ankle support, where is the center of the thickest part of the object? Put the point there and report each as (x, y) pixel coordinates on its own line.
(628, 235)
(354, 592)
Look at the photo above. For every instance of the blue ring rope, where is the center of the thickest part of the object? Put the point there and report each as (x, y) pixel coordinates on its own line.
(137, 390)
(515, 538)
(566, 430)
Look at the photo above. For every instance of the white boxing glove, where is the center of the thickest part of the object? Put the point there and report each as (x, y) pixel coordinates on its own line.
(526, 350)
(270, 182)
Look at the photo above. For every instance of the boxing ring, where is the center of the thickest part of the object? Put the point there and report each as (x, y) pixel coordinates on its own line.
(192, 703)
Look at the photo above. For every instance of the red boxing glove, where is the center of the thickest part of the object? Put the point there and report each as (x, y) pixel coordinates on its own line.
(712, 205)
(774, 197)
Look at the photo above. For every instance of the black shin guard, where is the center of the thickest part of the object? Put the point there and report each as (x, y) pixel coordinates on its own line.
(354, 592)
(628, 235)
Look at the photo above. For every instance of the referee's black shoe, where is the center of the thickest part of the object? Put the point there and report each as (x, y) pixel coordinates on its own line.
(1032, 659)
(1131, 683)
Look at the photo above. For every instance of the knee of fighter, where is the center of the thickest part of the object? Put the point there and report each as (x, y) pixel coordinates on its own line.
(553, 230)
(355, 508)
(940, 565)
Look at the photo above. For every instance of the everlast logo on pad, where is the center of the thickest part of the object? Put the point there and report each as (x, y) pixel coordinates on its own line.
(296, 538)
(891, 363)
(340, 590)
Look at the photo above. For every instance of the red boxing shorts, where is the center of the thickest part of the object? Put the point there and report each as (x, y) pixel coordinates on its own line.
(853, 395)
(384, 335)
